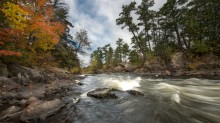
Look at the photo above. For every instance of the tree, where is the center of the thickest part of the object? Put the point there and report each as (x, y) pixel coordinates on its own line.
(126, 20)
(107, 54)
(125, 51)
(65, 56)
(134, 57)
(43, 30)
(145, 16)
(11, 31)
(82, 39)
(97, 59)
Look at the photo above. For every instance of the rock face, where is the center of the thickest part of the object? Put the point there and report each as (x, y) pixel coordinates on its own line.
(10, 113)
(25, 75)
(135, 93)
(41, 109)
(102, 93)
(177, 60)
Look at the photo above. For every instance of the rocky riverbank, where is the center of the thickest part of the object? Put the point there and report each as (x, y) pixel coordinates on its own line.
(33, 94)
(179, 66)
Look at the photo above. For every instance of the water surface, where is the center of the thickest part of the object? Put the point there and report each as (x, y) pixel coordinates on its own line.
(165, 101)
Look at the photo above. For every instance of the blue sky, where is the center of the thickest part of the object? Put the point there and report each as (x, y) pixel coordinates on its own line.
(98, 18)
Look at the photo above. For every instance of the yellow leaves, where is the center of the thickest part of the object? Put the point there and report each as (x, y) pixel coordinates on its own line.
(15, 16)
(45, 41)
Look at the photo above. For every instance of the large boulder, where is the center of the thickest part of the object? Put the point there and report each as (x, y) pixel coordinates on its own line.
(102, 93)
(41, 109)
(10, 113)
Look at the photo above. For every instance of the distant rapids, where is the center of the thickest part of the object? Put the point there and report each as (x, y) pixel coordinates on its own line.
(165, 101)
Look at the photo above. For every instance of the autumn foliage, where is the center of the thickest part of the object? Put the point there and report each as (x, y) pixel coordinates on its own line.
(28, 27)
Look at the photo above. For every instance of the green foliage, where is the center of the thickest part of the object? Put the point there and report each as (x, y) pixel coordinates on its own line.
(97, 59)
(189, 26)
(201, 47)
(134, 58)
(65, 56)
(164, 49)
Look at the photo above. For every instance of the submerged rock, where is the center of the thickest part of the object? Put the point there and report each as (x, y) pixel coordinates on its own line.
(102, 93)
(41, 109)
(135, 93)
(10, 113)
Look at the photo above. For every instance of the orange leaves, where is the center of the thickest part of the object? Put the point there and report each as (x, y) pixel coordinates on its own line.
(9, 53)
(30, 28)
(49, 12)
(43, 27)
(41, 3)
(46, 32)
(10, 40)
(9, 35)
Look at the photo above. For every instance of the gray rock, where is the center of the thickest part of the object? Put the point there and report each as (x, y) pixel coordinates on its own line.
(41, 109)
(135, 93)
(23, 94)
(31, 100)
(6, 84)
(26, 92)
(25, 74)
(102, 93)
(10, 113)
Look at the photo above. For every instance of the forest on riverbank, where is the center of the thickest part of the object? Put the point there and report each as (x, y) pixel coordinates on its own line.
(182, 34)
(36, 33)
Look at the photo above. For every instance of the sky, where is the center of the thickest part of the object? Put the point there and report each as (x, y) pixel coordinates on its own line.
(98, 17)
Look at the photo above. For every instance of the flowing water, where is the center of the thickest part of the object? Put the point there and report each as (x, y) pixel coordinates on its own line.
(165, 101)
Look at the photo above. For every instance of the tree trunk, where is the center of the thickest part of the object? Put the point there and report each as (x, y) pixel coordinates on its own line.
(178, 37)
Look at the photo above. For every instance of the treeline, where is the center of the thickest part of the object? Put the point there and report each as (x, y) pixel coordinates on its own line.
(106, 57)
(36, 32)
(188, 26)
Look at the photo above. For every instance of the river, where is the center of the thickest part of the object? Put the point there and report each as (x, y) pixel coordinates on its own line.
(165, 101)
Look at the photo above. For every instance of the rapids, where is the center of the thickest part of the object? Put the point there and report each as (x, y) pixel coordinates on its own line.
(165, 101)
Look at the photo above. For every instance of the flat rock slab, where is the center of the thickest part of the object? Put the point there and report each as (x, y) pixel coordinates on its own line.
(135, 93)
(26, 92)
(41, 109)
(102, 93)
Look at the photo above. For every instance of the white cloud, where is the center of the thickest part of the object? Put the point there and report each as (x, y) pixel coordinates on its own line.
(98, 17)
